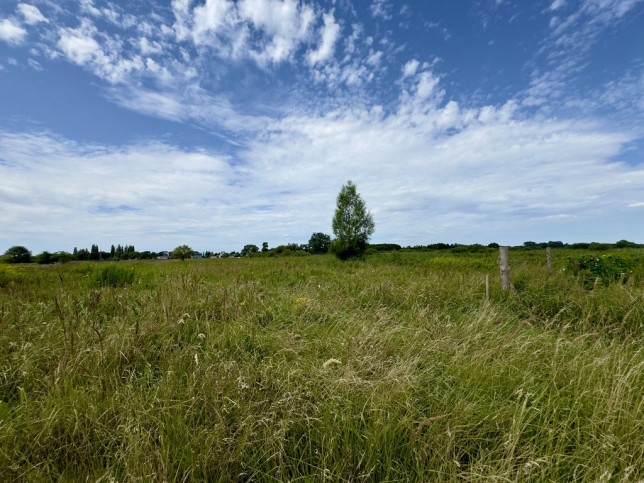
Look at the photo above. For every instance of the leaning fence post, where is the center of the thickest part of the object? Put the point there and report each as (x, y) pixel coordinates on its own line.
(504, 263)
(549, 257)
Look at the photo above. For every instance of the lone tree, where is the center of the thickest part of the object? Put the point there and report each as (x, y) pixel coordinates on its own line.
(352, 224)
(319, 243)
(182, 252)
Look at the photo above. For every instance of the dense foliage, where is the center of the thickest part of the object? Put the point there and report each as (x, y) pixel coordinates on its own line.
(319, 243)
(352, 224)
(182, 252)
(312, 369)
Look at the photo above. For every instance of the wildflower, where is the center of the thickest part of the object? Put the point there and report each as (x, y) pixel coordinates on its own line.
(243, 304)
(201, 336)
(302, 301)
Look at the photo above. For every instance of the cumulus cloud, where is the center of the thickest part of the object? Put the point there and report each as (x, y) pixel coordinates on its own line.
(11, 32)
(79, 45)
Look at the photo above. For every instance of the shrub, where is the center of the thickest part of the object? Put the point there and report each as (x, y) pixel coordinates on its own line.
(608, 268)
(8, 274)
(114, 276)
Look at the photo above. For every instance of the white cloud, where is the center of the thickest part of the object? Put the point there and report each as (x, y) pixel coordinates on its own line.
(329, 34)
(267, 31)
(380, 8)
(167, 192)
(31, 14)
(79, 44)
(410, 68)
(210, 18)
(11, 32)
(426, 86)
(639, 204)
(557, 4)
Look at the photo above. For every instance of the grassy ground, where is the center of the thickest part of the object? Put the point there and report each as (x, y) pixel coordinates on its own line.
(393, 369)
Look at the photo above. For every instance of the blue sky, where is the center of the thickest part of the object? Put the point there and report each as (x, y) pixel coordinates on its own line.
(218, 123)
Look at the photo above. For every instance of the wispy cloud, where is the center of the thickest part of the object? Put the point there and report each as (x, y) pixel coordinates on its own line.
(31, 14)
(11, 32)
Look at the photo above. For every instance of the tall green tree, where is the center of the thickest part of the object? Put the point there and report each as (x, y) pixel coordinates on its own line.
(352, 224)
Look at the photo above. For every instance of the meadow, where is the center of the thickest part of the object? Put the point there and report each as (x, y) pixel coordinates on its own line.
(395, 368)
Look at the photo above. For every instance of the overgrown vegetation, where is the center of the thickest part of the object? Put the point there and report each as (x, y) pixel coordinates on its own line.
(308, 368)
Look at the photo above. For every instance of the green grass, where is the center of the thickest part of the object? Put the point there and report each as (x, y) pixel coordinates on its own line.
(309, 369)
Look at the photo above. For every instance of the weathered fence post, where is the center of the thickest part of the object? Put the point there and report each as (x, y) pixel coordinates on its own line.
(504, 263)
(549, 257)
(487, 288)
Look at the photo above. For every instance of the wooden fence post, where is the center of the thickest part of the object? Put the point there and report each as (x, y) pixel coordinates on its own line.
(504, 263)
(487, 288)
(549, 257)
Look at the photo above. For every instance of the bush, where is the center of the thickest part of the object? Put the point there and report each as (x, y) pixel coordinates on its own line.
(8, 274)
(114, 276)
(608, 268)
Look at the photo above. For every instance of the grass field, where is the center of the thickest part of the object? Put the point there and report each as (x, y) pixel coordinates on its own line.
(310, 369)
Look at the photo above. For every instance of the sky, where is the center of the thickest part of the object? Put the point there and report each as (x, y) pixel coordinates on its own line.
(221, 123)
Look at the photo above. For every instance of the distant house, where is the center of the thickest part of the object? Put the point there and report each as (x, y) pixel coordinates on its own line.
(163, 256)
(196, 255)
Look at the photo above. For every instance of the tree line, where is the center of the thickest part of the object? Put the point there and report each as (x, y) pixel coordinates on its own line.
(352, 226)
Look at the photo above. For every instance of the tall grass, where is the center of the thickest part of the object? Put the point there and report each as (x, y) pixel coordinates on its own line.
(393, 369)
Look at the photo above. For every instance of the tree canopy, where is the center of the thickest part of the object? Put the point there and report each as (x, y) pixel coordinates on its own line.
(19, 254)
(182, 252)
(319, 243)
(352, 224)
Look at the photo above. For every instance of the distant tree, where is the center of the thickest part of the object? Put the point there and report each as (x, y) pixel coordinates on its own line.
(625, 244)
(385, 247)
(112, 251)
(493, 245)
(18, 254)
(352, 224)
(62, 257)
(249, 249)
(319, 243)
(82, 254)
(182, 252)
(44, 258)
(94, 253)
(264, 247)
